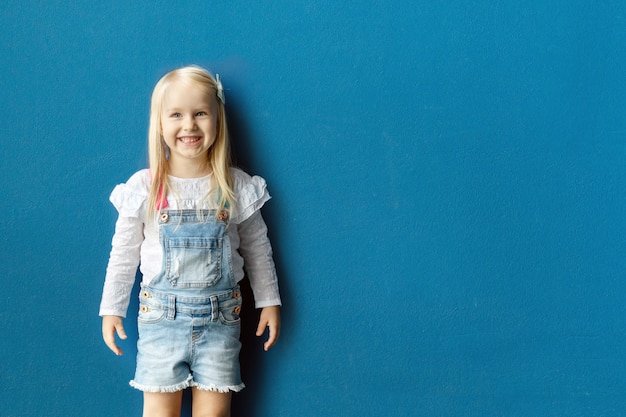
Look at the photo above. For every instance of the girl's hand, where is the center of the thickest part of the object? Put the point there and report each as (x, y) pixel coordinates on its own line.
(111, 324)
(270, 317)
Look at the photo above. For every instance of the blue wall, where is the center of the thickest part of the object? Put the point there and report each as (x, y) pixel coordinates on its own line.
(449, 204)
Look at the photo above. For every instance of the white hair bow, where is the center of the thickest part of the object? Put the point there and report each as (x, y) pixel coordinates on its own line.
(220, 89)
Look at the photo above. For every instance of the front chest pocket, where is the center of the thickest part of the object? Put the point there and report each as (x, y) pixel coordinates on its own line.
(193, 262)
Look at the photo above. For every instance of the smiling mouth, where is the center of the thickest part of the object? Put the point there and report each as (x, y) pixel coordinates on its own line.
(189, 139)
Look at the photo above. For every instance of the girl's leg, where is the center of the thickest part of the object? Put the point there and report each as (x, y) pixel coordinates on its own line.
(162, 404)
(210, 403)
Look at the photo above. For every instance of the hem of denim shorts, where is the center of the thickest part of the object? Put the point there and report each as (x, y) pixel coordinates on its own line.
(215, 388)
(170, 388)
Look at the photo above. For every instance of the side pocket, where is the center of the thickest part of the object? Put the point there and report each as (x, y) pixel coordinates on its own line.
(229, 312)
(149, 314)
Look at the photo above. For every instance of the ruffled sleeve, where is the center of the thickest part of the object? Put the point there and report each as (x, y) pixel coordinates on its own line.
(130, 199)
(251, 194)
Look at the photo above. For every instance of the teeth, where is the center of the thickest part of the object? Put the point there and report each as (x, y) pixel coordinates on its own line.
(189, 140)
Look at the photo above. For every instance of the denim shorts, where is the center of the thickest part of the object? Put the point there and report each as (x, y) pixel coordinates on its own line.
(188, 342)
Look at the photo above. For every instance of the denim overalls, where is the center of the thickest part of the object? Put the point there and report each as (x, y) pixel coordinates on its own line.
(188, 320)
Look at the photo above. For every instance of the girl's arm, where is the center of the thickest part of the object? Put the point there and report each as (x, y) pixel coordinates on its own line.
(256, 250)
(122, 268)
(120, 278)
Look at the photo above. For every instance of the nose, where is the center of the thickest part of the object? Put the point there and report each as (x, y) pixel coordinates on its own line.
(190, 123)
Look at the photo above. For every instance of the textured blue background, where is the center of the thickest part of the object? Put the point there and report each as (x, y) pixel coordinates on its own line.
(449, 204)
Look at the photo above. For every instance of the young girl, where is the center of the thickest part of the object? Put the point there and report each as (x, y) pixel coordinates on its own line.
(192, 220)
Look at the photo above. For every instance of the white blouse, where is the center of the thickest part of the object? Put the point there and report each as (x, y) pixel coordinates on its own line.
(136, 239)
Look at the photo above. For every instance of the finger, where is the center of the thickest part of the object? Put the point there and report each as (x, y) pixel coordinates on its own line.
(273, 337)
(261, 327)
(120, 331)
(109, 328)
(109, 339)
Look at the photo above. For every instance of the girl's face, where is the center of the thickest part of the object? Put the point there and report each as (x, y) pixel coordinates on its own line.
(188, 124)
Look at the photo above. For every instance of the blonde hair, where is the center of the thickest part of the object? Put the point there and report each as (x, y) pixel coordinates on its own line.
(218, 154)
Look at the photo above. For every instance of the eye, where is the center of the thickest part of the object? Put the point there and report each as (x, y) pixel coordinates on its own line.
(202, 114)
(176, 115)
